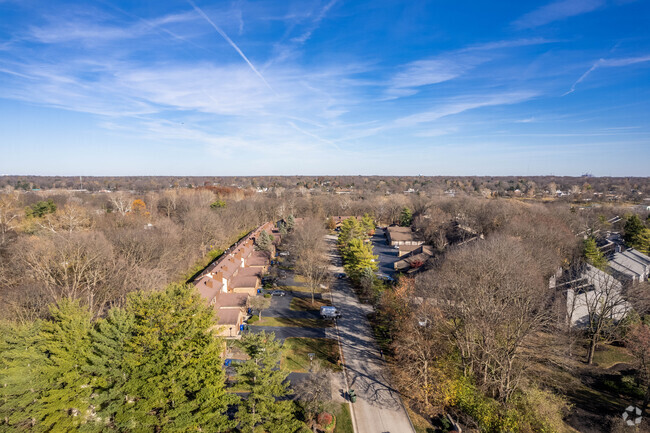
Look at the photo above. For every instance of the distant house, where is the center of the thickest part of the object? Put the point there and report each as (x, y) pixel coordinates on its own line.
(630, 266)
(396, 235)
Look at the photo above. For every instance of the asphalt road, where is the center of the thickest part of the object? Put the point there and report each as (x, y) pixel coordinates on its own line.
(379, 408)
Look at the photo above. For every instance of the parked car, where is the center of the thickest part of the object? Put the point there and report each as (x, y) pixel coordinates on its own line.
(278, 293)
(340, 276)
(329, 312)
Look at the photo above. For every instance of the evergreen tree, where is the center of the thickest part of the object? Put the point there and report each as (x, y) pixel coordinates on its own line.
(264, 241)
(64, 403)
(593, 255)
(175, 381)
(368, 224)
(20, 361)
(632, 229)
(267, 385)
(405, 217)
(350, 229)
(642, 241)
(358, 257)
(107, 364)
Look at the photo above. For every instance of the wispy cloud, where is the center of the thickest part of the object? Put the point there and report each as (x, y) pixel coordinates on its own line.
(450, 65)
(556, 11)
(608, 63)
(315, 23)
(463, 104)
(230, 42)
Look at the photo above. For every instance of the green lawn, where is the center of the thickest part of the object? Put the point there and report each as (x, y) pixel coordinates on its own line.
(296, 353)
(343, 419)
(304, 304)
(284, 321)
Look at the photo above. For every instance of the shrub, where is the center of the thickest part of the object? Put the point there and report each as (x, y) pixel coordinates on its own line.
(326, 420)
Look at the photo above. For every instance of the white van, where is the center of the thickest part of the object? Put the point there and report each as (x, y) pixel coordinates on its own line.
(329, 313)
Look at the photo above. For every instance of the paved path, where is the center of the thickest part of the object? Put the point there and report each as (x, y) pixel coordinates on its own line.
(379, 407)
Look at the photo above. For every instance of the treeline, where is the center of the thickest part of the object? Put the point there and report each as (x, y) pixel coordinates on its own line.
(599, 189)
(151, 366)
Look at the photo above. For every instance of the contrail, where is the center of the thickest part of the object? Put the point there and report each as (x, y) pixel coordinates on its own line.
(232, 44)
(294, 126)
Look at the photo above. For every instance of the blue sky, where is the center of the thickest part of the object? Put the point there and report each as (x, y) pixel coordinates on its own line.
(325, 87)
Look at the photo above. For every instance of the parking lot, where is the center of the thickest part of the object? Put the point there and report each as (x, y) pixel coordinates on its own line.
(387, 255)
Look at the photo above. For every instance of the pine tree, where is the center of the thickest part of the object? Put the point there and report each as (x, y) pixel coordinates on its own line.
(593, 255)
(64, 404)
(107, 364)
(406, 217)
(266, 383)
(632, 229)
(20, 361)
(368, 224)
(358, 257)
(264, 241)
(173, 365)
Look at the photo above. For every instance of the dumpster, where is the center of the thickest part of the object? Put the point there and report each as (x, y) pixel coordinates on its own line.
(353, 396)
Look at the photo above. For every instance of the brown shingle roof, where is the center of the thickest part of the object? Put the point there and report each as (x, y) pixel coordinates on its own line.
(227, 316)
(258, 258)
(243, 282)
(231, 300)
(249, 272)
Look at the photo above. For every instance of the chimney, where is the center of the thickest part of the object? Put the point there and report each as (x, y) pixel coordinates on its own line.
(210, 283)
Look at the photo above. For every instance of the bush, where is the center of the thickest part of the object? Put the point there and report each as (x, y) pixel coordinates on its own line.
(326, 420)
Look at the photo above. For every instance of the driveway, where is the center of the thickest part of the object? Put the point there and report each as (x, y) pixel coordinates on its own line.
(379, 407)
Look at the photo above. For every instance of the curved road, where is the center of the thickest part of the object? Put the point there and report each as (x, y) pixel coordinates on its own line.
(379, 408)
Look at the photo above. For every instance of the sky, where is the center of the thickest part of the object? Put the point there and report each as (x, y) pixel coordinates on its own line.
(440, 87)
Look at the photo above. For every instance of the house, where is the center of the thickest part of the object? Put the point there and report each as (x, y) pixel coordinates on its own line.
(587, 289)
(630, 266)
(396, 235)
(414, 259)
(231, 312)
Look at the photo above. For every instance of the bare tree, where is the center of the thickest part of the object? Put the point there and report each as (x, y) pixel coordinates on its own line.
(494, 297)
(259, 303)
(9, 215)
(308, 246)
(121, 202)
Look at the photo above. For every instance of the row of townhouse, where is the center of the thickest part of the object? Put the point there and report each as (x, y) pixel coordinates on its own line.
(227, 283)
